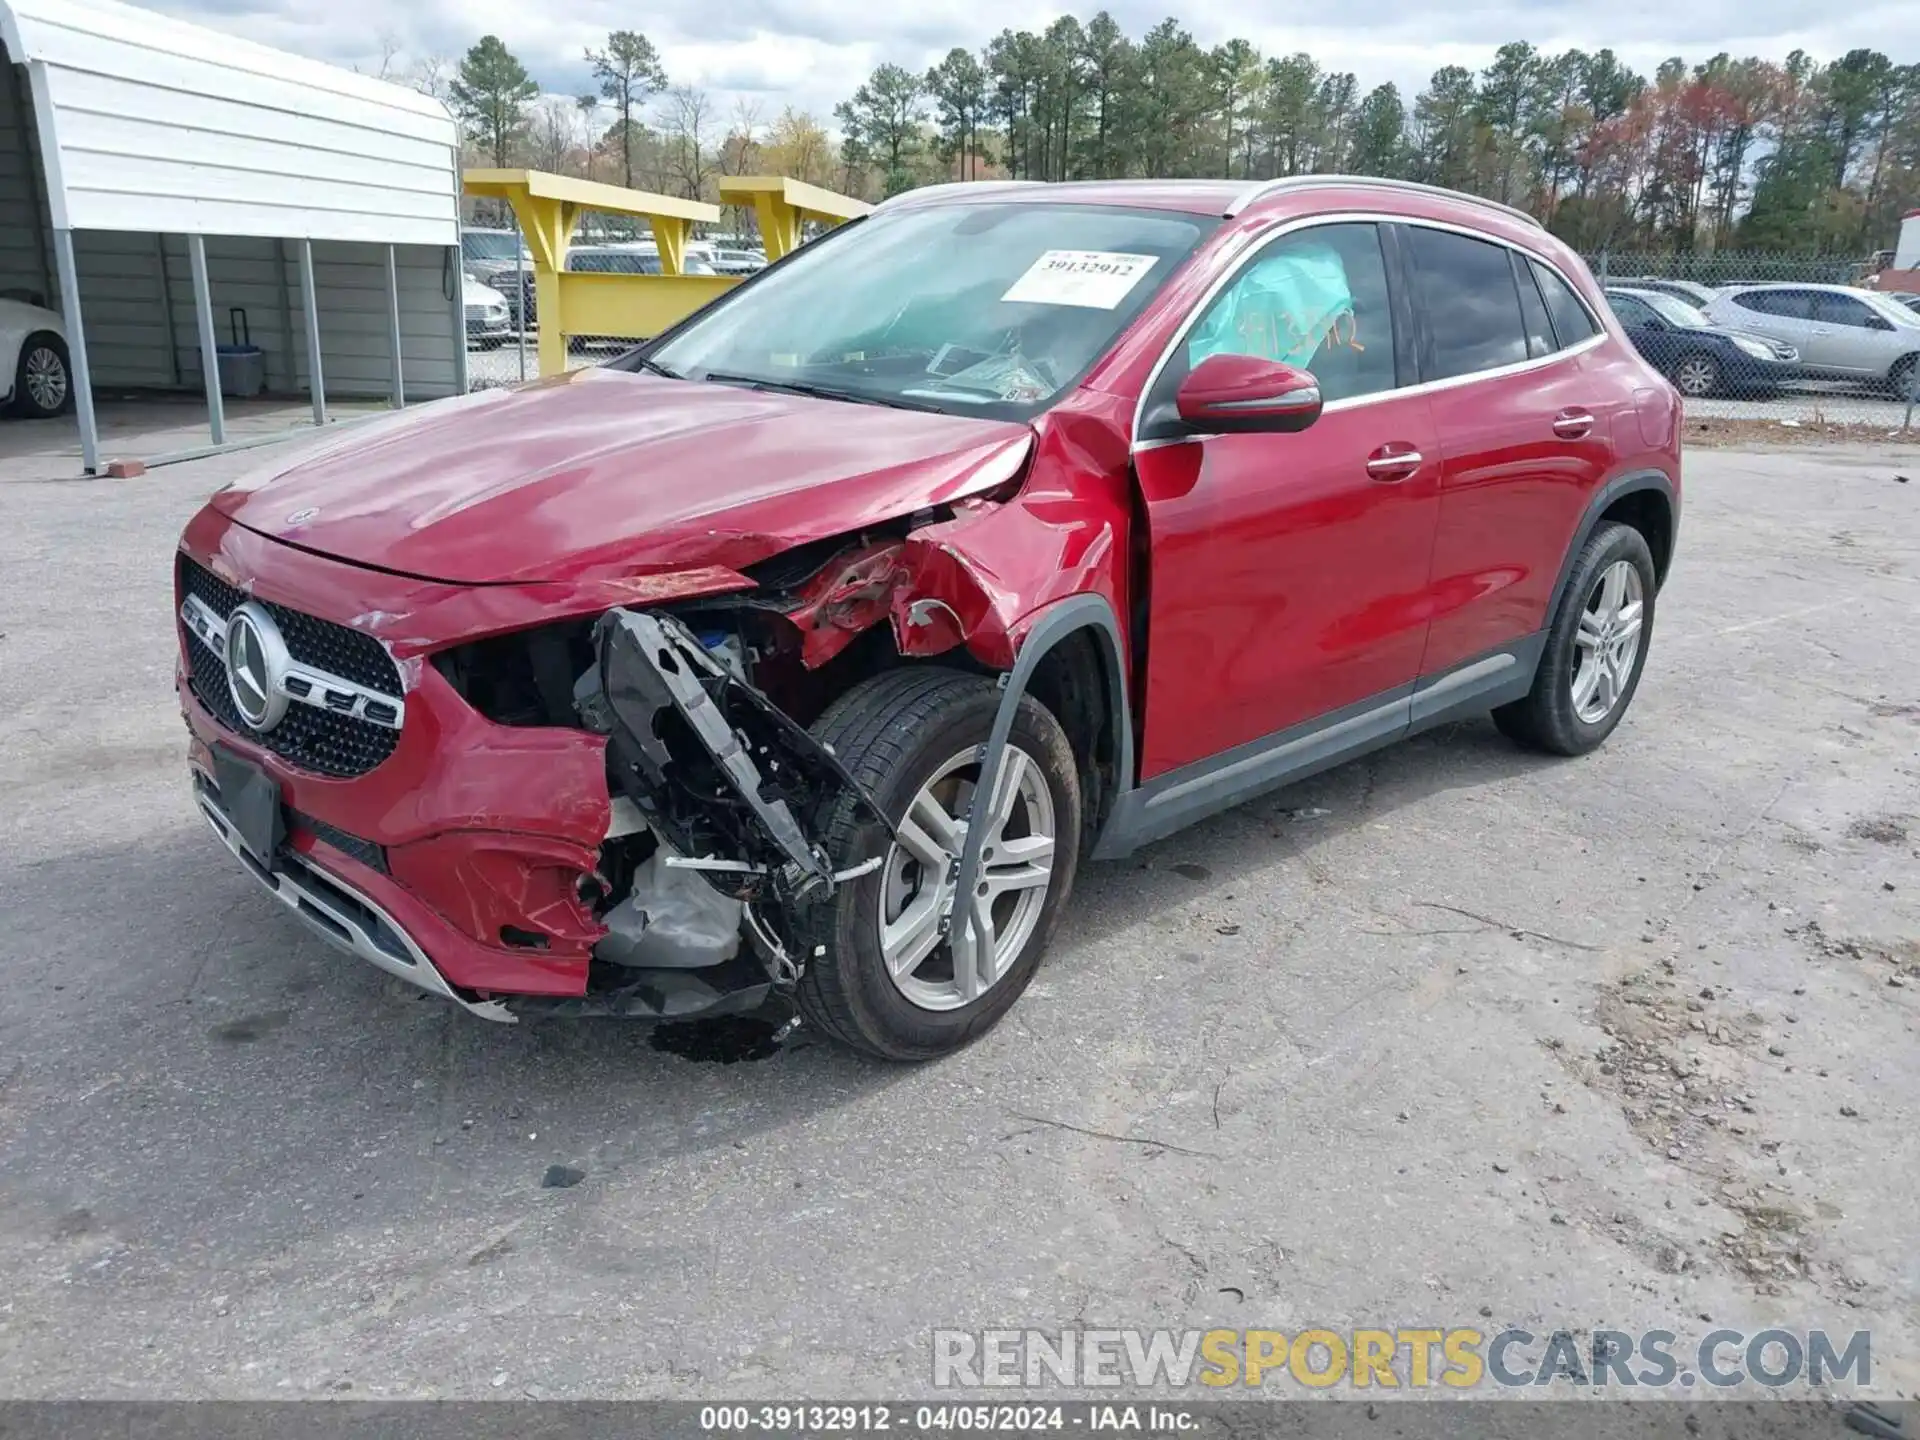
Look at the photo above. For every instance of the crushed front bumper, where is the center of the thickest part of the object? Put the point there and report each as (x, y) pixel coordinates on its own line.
(337, 912)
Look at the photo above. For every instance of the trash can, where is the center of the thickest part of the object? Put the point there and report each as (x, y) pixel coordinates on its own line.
(243, 364)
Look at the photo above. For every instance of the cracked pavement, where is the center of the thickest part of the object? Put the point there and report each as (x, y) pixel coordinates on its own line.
(1452, 1035)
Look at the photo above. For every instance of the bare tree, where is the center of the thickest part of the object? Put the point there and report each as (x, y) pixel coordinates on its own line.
(740, 151)
(589, 107)
(430, 75)
(552, 136)
(390, 50)
(740, 155)
(686, 119)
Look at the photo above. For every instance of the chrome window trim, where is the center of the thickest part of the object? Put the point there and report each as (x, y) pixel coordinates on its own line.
(203, 622)
(1265, 238)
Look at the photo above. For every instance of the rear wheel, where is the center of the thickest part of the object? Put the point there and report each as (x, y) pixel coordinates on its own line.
(43, 380)
(1696, 376)
(1596, 648)
(881, 972)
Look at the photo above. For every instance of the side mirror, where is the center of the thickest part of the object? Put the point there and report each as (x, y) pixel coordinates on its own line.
(1245, 394)
(1879, 322)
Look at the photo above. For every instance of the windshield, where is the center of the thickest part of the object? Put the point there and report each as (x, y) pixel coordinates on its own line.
(489, 245)
(1675, 311)
(1886, 305)
(975, 309)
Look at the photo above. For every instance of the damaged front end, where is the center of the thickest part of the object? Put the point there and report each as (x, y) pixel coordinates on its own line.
(711, 861)
(713, 872)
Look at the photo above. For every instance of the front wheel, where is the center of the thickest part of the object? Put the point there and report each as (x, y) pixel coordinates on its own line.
(43, 381)
(1900, 377)
(1596, 648)
(881, 973)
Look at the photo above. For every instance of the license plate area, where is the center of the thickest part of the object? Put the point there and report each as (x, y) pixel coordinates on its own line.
(250, 799)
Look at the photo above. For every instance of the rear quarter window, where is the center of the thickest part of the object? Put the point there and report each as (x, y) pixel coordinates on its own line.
(1572, 321)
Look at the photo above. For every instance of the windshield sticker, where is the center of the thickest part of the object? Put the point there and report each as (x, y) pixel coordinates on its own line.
(1093, 279)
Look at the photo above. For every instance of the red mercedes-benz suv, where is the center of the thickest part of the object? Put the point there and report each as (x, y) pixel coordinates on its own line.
(812, 646)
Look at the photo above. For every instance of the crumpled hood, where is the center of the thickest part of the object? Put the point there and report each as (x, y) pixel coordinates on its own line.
(603, 472)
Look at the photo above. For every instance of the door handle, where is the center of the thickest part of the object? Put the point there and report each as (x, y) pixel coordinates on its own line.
(1573, 424)
(1394, 462)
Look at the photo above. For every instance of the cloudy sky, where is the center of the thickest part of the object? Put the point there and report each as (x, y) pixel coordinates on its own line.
(811, 53)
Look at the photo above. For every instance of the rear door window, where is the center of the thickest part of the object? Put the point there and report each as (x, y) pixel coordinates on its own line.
(1464, 290)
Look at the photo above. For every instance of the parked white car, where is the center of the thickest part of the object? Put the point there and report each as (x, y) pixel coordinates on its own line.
(33, 361)
(1841, 333)
(488, 324)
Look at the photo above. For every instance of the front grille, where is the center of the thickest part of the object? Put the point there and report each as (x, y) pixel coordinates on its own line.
(313, 739)
(355, 847)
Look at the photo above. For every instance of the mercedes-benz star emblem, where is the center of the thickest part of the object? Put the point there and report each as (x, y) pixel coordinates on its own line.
(257, 662)
(303, 517)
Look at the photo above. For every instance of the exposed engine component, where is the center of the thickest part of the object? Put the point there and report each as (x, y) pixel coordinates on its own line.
(718, 770)
(671, 919)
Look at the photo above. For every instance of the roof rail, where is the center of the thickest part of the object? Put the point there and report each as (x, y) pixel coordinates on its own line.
(1375, 182)
(978, 187)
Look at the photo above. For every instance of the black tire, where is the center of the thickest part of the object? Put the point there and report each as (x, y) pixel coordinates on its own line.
(1900, 377)
(1702, 373)
(1546, 718)
(892, 732)
(24, 402)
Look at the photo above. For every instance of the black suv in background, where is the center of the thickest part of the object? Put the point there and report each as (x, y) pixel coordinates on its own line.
(1698, 356)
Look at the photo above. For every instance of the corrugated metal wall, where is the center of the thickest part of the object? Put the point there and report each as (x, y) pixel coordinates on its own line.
(162, 125)
(25, 261)
(136, 292)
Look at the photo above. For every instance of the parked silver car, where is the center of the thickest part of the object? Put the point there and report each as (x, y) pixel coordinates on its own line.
(1841, 333)
(1695, 294)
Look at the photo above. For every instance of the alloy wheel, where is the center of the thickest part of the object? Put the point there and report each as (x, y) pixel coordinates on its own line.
(46, 378)
(1608, 641)
(917, 880)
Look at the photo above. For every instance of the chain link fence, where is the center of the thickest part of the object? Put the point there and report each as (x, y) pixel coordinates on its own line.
(503, 311)
(1760, 344)
(1760, 341)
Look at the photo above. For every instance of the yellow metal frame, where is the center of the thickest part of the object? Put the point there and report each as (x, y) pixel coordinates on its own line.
(548, 207)
(595, 304)
(591, 303)
(781, 205)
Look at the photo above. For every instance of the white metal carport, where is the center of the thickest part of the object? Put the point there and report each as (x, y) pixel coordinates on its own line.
(147, 164)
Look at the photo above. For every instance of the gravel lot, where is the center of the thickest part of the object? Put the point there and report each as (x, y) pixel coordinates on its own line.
(1454, 1035)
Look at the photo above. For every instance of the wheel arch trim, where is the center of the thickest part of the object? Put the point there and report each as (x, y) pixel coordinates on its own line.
(1054, 624)
(1616, 489)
